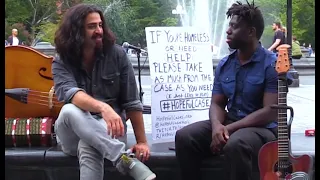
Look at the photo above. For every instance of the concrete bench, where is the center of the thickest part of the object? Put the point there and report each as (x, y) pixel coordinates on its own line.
(52, 164)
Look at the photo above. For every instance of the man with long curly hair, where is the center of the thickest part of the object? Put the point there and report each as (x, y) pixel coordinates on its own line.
(94, 78)
(245, 84)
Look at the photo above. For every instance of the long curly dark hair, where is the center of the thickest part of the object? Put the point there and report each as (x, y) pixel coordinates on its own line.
(69, 38)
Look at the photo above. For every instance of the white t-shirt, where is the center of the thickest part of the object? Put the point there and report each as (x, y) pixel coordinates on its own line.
(15, 41)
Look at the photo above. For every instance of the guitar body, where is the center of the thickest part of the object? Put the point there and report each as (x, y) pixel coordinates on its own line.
(300, 167)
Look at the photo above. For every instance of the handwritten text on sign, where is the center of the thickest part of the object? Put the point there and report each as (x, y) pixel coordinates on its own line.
(182, 75)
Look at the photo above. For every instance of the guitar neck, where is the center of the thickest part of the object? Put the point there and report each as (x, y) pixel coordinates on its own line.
(283, 138)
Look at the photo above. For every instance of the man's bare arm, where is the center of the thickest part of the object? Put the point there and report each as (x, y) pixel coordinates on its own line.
(260, 117)
(274, 45)
(130, 100)
(88, 103)
(136, 119)
(67, 90)
(217, 112)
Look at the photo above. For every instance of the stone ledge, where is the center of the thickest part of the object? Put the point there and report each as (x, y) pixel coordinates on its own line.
(52, 163)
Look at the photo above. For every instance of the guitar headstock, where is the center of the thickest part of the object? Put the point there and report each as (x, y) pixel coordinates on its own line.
(283, 64)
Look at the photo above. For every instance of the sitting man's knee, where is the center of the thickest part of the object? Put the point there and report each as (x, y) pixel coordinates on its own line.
(235, 144)
(181, 140)
(181, 135)
(184, 137)
(88, 153)
(69, 109)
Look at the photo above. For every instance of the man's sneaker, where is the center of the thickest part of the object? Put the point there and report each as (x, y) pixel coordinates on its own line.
(135, 168)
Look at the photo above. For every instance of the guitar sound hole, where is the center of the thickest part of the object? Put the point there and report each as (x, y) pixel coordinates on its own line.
(285, 168)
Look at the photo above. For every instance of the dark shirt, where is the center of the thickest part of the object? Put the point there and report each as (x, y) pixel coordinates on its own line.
(245, 85)
(278, 34)
(112, 81)
(10, 40)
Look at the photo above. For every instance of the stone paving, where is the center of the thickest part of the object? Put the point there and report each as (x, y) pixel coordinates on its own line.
(302, 99)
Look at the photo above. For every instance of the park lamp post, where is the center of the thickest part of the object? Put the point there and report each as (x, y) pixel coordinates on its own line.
(294, 74)
(179, 11)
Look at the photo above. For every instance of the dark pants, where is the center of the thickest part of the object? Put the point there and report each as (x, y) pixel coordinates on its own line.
(193, 145)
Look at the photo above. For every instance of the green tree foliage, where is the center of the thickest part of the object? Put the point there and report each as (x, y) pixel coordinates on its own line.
(119, 15)
(16, 11)
(151, 13)
(303, 18)
(47, 31)
(32, 14)
(128, 18)
(304, 14)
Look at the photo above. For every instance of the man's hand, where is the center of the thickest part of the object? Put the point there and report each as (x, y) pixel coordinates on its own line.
(114, 122)
(220, 135)
(142, 151)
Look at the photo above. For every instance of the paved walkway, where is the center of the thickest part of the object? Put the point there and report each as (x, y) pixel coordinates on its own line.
(302, 99)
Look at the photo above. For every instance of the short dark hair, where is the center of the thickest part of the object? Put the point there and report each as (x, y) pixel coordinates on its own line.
(250, 14)
(69, 37)
(277, 23)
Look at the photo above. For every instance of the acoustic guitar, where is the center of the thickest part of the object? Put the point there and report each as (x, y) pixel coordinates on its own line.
(275, 159)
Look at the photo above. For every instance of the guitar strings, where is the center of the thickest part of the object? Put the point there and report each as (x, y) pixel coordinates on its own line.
(42, 98)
